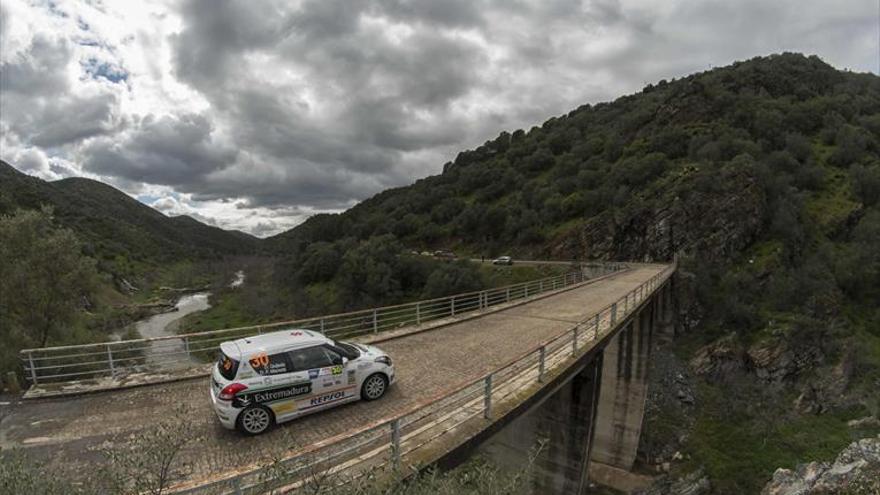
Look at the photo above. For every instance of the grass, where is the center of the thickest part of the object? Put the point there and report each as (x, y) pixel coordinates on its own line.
(499, 276)
(741, 450)
(833, 203)
(226, 311)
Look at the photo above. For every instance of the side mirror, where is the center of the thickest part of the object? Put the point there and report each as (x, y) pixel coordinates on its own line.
(344, 360)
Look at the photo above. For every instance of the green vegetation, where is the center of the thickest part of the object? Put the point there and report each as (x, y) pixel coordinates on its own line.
(262, 299)
(739, 444)
(44, 282)
(126, 238)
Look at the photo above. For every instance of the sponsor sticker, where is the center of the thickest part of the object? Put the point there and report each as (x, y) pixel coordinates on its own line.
(314, 374)
(324, 399)
(336, 370)
(351, 378)
(263, 396)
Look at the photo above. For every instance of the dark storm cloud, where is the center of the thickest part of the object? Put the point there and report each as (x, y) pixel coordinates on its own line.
(172, 150)
(333, 122)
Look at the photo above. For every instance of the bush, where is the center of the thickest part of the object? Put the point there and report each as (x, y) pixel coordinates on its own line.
(865, 180)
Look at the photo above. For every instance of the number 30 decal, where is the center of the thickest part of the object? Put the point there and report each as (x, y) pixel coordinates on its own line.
(260, 361)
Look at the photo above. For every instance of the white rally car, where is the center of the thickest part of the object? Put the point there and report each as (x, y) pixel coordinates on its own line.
(278, 376)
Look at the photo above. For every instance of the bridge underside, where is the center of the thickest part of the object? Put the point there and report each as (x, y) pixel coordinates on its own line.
(587, 424)
(71, 431)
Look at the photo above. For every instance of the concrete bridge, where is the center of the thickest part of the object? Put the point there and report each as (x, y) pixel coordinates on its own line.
(567, 363)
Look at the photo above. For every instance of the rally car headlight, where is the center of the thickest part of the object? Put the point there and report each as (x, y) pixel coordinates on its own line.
(384, 360)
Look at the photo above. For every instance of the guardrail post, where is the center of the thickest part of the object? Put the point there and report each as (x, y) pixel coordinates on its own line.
(508, 294)
(453, 305)
(395, 444)
(322, 325)
(33, 368)
(626, 302)
(110, 361)
(418, 313)
(186, 345)
(543, 355)
(596, 328)
(375, 321)
(487, 397)
(540, 286)
(574, 340)
(613, 314)
(526, 291)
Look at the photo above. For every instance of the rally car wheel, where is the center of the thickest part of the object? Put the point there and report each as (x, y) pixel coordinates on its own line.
(254, 420)
(374, 386)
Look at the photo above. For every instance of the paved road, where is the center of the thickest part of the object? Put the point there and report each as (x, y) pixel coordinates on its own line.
(73, 431)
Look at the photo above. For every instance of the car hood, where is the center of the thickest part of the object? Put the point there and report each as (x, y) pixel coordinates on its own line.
(370, 351)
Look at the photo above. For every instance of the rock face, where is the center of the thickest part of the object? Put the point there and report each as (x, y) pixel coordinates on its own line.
(855, 471)
(720, 358)
(822, 394)
(716, 224)
(771, 360)
(774, 359)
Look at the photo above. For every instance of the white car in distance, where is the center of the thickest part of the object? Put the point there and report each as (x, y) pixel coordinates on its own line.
(275, 377)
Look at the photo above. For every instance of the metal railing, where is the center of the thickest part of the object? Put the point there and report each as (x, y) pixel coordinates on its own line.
(118, 358)
(386, 442)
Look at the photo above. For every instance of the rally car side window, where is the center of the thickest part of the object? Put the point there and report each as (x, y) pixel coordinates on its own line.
(310, 358)
(270, 364)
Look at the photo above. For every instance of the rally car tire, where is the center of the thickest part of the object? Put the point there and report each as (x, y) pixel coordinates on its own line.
(254, 420)
(374, 387)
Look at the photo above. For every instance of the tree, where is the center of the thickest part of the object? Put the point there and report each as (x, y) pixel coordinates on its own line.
(369, 272)
(451, 278)
(866, 182)
(44, 278)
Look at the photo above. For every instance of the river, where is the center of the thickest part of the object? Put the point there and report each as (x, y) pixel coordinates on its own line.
(167, 324)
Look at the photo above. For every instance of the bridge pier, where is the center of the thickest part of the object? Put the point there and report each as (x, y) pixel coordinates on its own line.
(563, 425)
(624, 390)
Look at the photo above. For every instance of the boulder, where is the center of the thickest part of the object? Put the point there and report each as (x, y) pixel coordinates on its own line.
(720, 358)
(856, 470)
(775, 359)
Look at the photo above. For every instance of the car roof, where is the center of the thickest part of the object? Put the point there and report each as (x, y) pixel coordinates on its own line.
(290, 338)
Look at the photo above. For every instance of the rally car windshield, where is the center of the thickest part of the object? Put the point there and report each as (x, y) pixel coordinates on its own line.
(351, 351)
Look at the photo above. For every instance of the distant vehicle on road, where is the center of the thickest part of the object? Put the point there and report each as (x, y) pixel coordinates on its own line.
(445, 254)
(275, 377)
(503, 260)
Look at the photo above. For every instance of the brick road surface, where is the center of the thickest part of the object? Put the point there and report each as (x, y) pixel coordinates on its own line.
(73, 431)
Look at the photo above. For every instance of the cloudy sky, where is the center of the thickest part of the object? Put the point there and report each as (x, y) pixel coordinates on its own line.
(256, 114)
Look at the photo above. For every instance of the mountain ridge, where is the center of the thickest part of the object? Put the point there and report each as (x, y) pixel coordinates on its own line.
(113, 224)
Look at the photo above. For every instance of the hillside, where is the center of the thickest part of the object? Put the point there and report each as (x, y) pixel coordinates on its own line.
(121, 232)
(553, 189)
(764, 174)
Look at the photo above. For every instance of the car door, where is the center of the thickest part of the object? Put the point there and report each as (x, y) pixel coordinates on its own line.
(325, 372)
(277, 384)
